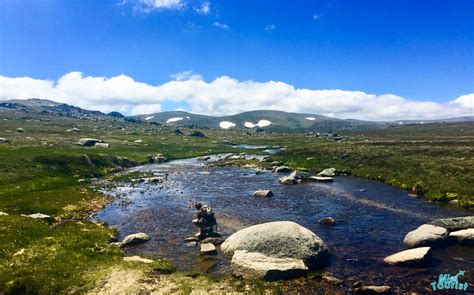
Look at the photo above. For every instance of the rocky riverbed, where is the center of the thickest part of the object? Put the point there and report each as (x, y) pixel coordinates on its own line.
(369, 220)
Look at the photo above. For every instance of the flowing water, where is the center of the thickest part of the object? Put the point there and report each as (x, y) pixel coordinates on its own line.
(372, 219)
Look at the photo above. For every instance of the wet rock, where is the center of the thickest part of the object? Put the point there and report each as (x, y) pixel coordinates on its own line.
(4, 140)
(88, 141)
(329, 172)
(134, 239)
(426, 235)
(252, 266)
(137, 259)
(101, 145)
(159, 158)
(322, 178)
(213, 240)
(207, 249)
(332, 280)
(288, 180)
(373, 290)
(3, 214)
(281, 169)
(327, 221)
(417, 256)
(299, 175)
(280, 239)
(456, 223)
(20, 130)
(40, 216)
(203, 158)
(263, 193)
(191, 239)
(464, 236)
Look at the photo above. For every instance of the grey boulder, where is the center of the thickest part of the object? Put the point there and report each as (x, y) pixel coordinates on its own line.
(329, 172)
(282, 169)
(134, 239)
(456, 223)
(426, 235)
(280, 239)
(416, 256)
(254, 266)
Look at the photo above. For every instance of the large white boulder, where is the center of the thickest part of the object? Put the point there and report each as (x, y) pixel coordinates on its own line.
(464, 236)
(255, 266)
(329, 172)
(410, 257)
(280, 239)
(426, 235)
(134, 239)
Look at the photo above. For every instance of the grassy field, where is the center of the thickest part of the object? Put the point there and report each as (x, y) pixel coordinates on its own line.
(40, 169)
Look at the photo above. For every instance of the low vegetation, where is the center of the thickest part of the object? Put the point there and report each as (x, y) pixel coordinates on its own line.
(43, 170)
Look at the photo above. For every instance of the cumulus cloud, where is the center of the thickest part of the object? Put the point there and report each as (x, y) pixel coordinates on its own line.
(205, 8)
(220, 25)
(225, 95)
(150, 5)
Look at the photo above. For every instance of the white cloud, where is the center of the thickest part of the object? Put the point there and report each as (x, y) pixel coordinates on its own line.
(150, 5)
(225, 95)
(205, 8)
(316, 16)
(269, 27)
(220, 25)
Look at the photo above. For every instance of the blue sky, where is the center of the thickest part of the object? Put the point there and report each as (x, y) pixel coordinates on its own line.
(418, 50)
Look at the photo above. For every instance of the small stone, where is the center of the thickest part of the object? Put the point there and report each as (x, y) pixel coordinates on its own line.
(134, 239)
(137, 259)
(101, 145)
(207, 249)
(332, 280)
(191, 239)
(465, 236)
(264, 193)
(19, 252)
(373, 290)
(329, 172)
(20, 130)
(40, 216)
(213, 240)
(3, 214)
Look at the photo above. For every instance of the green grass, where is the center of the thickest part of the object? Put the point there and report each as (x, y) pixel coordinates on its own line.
(40, 169)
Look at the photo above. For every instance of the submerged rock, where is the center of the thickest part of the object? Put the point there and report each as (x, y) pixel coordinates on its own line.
(327, 221)
(263, 193)
(426, 235)
(455, 223)
(134, 239)
(414, 256)
(322, 178)
(252, 266)
(280, 239)
(329, 172)
(464, 236)
(207, 249)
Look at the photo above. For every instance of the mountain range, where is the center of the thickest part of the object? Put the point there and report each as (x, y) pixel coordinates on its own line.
(259, 120)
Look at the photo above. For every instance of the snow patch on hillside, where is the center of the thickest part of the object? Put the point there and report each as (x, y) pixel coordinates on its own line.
(226, 124)
(175, 119)
(310, 118)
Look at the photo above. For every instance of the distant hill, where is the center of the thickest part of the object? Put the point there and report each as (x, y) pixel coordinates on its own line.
(43, 107)
(276, 121)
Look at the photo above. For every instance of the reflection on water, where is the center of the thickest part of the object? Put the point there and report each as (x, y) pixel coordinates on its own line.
(372, 219)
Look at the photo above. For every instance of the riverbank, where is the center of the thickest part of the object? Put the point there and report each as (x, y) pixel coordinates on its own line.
(43, 171)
